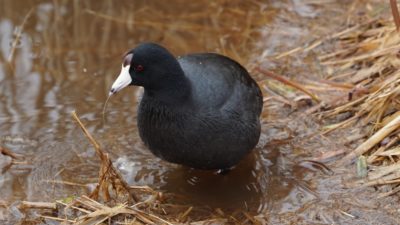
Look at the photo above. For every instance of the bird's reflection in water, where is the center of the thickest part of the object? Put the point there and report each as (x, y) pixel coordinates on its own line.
(239, 188)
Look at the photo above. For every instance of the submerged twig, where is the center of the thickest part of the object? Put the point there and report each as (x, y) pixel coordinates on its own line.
(58, 219)
(288, 82)
(8, 152)
(38, 205)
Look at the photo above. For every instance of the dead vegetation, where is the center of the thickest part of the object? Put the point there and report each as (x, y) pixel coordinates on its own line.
(360, 90)
(368, 58)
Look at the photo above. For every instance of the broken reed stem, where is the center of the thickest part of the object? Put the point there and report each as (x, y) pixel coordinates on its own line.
(374, 156)
(394, 191)
(89, 136)
(58, 219)
(372, 141)
(18, 36)
(395, 13)
(65, 183)
(8, 152)
(4, 204)
(38, 205)
(317, 43)
(288, 82)
(106, 162)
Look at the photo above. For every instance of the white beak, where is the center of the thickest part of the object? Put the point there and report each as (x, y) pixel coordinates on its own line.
(123, 80)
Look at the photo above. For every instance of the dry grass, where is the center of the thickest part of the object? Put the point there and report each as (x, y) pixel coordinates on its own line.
(362, 72)
(109, 177)
(367, 57)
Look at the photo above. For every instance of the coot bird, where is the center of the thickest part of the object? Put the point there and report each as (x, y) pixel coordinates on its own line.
(199, 110)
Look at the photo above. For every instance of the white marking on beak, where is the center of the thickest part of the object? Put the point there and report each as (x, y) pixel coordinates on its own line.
(123, 80)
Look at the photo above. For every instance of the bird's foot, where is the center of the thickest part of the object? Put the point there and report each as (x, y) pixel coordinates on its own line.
(224, 171)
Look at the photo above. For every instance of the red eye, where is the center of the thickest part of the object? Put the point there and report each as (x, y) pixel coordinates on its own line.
(139, 68)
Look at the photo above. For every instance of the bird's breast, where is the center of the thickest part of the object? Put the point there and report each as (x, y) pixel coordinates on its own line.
(159, 124)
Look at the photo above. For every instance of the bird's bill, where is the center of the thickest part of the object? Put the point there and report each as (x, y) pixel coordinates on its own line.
(123, 80)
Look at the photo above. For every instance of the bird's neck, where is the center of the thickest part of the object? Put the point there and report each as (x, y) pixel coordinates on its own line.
(173, 92)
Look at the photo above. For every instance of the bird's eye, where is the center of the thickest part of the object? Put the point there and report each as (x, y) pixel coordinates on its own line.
(139, 68)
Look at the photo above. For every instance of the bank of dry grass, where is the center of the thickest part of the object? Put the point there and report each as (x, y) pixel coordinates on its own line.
(368, 58)
(359, 91)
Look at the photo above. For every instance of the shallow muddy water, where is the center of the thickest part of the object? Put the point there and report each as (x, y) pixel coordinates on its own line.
(60, 56)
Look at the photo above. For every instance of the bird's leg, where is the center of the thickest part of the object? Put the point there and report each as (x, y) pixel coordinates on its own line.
(224, 171)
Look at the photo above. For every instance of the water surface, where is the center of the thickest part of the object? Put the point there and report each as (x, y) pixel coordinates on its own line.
(59, 56)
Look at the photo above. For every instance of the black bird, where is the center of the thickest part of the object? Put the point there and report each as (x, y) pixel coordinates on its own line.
(198, 110)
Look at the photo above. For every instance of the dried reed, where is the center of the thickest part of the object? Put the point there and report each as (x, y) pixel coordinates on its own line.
(367, 57)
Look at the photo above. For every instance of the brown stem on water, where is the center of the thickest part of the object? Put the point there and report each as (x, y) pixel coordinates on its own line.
(108, 175)
(395, 13)
(96, 146)
(18, 36)
(288, 82)
(8, 152)
(38, 205)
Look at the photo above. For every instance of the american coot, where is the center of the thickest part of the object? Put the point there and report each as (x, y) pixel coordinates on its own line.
(199, 110)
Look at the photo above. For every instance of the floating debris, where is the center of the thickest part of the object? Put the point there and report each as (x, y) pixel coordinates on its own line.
(17, 140)
(362, 168)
